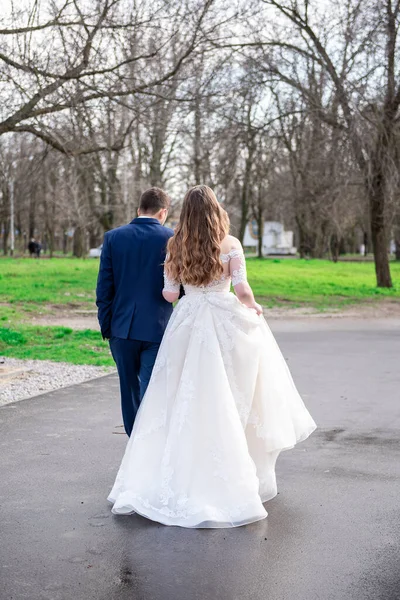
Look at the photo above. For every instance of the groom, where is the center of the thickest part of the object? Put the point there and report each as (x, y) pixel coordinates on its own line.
(132, 313)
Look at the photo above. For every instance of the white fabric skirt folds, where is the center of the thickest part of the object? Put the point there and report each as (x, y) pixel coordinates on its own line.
(220, 406)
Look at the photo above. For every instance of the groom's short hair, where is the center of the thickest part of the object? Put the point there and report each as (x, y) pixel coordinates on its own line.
(153, 200)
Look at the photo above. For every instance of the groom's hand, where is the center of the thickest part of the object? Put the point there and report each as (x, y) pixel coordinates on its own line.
(106, 334)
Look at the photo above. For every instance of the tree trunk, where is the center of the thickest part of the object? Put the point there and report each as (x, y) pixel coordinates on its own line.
(243, 213)
(246, 192)
(112, 180)
(49, 204)
(32, 208)
(6, 231)
(155, 163)
(379, 244)
(321, 243)
(78, 242)
(93, 237)
(65, 242)
(260, 233)
(376, 194)
(335, 247)
(197, 142)
(51, 240)
(302, 244)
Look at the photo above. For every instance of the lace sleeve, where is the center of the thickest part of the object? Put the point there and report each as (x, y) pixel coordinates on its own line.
(170, 285)
(237, 267)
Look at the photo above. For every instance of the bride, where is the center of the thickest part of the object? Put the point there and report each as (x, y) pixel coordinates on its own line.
(221, 403)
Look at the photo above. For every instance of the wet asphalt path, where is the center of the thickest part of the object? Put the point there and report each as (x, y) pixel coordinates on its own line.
(333, 532)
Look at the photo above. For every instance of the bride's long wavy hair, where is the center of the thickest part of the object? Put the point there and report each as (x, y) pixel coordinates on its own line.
(194, 252)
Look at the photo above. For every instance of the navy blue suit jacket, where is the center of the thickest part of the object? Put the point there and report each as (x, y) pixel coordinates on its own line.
(130, 282)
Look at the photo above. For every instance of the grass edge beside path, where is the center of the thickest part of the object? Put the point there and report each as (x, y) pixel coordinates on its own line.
(58, 344)
(320, 284)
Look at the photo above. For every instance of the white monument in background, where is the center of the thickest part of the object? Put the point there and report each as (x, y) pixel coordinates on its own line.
(275, 239)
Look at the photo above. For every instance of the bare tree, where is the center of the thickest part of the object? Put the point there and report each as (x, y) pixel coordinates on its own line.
(291, 115)
(87, 55)
(363, 85)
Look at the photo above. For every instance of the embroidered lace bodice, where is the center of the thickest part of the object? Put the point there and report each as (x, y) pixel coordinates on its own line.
(234, 264)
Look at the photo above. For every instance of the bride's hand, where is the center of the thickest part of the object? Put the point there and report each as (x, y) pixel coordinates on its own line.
(244, 292)
(257, 307)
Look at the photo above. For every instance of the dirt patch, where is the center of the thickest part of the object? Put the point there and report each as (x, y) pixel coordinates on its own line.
(363, 310)
(87, 319)
(71, 319)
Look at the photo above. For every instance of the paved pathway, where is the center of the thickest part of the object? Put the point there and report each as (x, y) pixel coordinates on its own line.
(332, 533)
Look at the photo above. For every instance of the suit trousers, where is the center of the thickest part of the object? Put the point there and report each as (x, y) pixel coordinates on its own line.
(135, 361)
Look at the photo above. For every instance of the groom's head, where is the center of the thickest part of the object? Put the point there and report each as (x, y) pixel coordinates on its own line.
(154, 203)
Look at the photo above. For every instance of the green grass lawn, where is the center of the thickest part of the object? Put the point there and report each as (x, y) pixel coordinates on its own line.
(31, 287)
(29, 282)
(55, 343)
(318, 283)
(36, 287)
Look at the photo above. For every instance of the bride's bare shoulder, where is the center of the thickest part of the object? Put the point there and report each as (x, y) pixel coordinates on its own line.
(230, 243)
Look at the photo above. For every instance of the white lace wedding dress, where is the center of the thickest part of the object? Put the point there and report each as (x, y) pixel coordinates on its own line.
(220, 406)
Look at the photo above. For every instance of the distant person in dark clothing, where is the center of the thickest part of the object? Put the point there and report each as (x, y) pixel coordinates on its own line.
(32, 247)
(38, 249)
